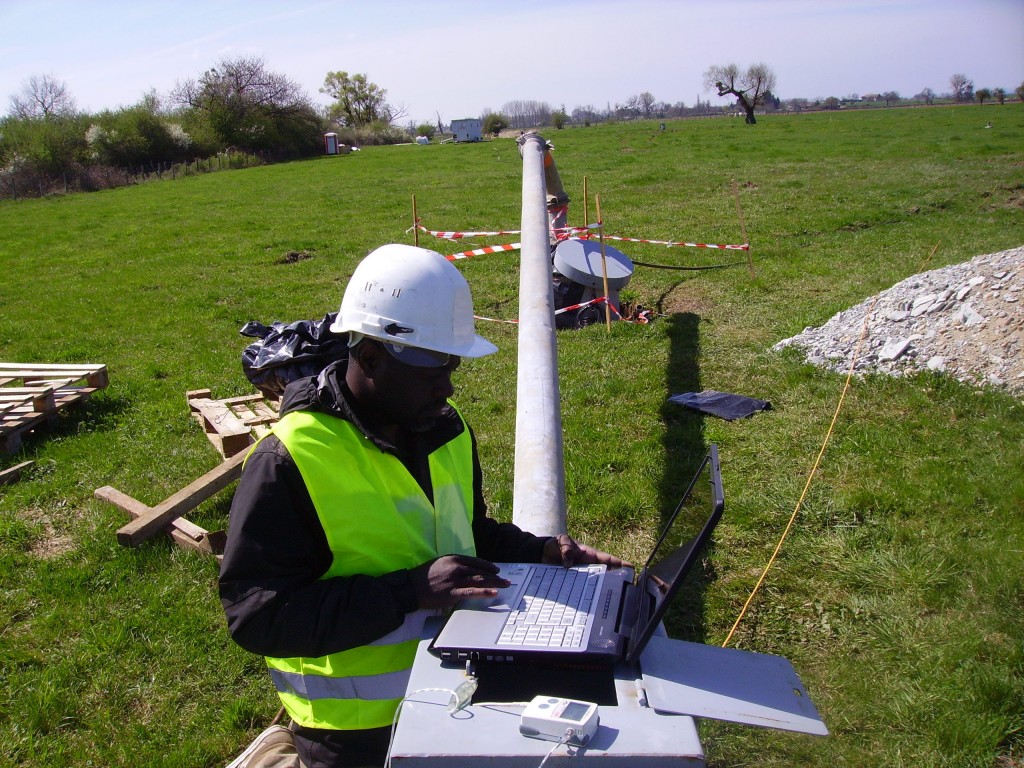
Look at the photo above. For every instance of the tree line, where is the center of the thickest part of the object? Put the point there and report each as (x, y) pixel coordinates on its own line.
(753, 91)
(238, 106)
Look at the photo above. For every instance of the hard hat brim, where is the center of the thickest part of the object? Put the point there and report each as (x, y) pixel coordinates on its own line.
(480, 347)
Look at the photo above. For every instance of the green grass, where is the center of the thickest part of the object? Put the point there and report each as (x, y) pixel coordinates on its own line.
(898, 596)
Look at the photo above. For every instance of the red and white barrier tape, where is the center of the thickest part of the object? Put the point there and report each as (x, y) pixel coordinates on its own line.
(460, 235)
(563, 232)
(482, 251)
(598, 300)
(495, 320)
(670, 244)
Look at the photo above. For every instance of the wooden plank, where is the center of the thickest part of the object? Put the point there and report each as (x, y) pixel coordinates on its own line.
(184, 532)
(244, 413)
(189, 497)
(15, 399)
(11, 474)
(95, 374)
(34, 369)
(265, 414)
(241, 399)
(229, 434)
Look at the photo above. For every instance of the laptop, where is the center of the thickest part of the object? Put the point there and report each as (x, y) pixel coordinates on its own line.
(591, 613)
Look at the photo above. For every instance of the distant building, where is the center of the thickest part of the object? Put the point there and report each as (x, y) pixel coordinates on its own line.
(470, 129)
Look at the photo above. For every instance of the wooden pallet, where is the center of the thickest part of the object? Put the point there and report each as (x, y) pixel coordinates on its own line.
(234, 423)
(32, 395)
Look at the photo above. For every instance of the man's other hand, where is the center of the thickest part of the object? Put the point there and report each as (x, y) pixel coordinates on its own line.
(563, 550)
(451, 578)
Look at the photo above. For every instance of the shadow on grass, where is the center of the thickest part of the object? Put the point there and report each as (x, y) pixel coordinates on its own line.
(685, 447)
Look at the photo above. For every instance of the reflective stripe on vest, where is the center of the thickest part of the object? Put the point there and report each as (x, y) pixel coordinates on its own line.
(377, 520)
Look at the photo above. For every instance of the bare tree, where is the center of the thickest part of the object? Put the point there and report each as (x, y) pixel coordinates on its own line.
(394, 112)
(42, 96)
(749, 88)
(999, 94)
(631, 109)
(585, 115)
(646, 103)
(527, 113)
(963, 88)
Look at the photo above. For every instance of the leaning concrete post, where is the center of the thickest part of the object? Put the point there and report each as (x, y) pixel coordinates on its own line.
(538, 493)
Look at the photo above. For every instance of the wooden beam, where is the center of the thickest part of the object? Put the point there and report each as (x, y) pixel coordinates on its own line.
(156, 518)
(11, 474)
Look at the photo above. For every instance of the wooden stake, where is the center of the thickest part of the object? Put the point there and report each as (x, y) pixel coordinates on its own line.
(586, 216)
(743, 227)
(415, 224)
(604, 266)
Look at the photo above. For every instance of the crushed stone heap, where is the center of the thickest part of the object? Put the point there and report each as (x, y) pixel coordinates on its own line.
(965, 319)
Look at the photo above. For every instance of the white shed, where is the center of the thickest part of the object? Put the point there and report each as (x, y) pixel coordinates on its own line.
(470, 129)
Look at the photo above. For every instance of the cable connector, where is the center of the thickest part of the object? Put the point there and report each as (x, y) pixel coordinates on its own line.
(461, 695)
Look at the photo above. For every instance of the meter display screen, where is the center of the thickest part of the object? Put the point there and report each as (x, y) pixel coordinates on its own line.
(574, 711)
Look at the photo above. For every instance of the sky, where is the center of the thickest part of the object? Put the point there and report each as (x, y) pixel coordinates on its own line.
(457, 59)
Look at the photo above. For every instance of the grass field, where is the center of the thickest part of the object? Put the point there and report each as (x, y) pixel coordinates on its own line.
(899, 595)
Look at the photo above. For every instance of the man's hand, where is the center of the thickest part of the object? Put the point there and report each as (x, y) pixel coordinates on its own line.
(563, 550)
(449, 579)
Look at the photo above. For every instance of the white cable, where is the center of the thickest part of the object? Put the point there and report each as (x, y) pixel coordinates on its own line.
(565, 740)
(398, 712)
(496, 704)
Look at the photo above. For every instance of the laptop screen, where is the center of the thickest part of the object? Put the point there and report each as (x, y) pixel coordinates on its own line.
(681, 543)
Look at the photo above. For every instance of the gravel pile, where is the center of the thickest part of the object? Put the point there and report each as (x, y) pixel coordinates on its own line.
(966, 320)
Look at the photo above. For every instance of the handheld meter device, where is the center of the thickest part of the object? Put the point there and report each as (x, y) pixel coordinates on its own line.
(554, 719)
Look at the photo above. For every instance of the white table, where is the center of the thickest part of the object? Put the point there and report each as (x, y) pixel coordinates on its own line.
(631, 735)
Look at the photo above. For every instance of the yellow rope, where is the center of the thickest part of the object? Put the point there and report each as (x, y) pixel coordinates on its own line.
(817, 461)
(810, 477)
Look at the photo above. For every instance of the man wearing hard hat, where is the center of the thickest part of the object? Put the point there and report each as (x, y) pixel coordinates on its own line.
(362, 513)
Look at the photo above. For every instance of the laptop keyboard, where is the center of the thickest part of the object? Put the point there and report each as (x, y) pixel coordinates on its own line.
(553, 610)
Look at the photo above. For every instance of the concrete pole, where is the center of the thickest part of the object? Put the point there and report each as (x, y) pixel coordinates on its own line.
(538, 493)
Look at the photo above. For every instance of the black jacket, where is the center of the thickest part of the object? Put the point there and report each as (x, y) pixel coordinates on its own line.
(270, 587)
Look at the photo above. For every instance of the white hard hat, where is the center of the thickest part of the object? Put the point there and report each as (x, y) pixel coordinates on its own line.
(414, 297)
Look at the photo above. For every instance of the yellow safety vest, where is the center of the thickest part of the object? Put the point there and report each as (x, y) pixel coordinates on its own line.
(377, 520)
